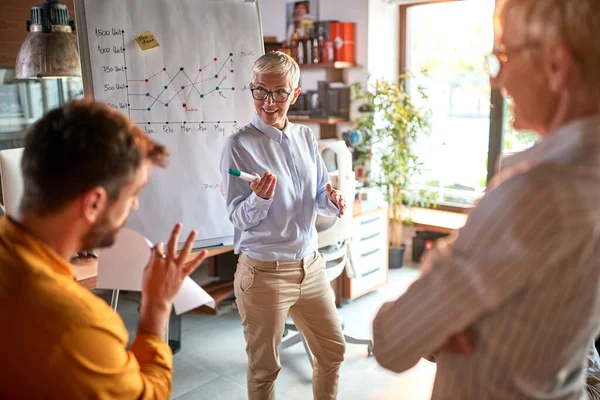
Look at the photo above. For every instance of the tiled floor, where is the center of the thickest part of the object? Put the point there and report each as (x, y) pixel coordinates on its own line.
(212, 360)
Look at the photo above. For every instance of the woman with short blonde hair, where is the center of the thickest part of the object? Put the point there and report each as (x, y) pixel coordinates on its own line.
(280, 271)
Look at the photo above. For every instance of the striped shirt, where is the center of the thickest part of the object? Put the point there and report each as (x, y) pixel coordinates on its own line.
(593, 373)
(523, 275)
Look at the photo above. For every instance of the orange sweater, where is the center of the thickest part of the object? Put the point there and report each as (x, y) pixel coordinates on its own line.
(60, 341)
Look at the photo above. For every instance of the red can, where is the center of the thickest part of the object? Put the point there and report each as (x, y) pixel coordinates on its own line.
(343, 34)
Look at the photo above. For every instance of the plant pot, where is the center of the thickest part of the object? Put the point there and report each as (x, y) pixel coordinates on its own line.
(422, 241)
(396, 259)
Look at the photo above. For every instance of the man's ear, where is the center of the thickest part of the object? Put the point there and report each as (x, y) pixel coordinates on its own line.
(295, 95)
(558, 66)
(94, 203)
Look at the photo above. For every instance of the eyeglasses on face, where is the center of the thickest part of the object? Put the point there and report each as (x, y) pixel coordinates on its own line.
(494, 63)
(278, 96)
(496, 59)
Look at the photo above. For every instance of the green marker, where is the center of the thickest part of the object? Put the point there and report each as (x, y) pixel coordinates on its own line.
(242, 175)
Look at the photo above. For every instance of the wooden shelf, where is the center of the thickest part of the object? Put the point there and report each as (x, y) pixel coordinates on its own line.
(85, 270)
(333, 65)
(322, 121)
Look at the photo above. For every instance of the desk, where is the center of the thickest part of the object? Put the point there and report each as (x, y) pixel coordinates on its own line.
(435, 220)
(431, 220)
(86, 273)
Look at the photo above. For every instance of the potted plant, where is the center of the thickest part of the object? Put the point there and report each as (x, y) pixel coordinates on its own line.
(390, 124)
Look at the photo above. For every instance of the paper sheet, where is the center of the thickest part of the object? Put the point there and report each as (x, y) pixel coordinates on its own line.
(122, 266)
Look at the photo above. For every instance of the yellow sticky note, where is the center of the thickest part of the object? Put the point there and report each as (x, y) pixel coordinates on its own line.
(146, 40)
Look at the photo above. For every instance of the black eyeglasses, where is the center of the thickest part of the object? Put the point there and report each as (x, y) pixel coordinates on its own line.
(278, 96)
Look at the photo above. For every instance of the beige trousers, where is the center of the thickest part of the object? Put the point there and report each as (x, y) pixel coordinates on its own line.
(266, 292)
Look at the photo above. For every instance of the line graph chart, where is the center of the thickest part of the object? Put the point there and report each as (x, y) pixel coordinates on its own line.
(160, 93)
(180, 86)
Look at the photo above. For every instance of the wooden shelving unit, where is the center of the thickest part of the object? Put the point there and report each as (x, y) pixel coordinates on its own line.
(334, 72)
(321, 121)
(333, 65)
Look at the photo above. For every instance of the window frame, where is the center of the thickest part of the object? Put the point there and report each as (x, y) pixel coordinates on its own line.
(497, 102)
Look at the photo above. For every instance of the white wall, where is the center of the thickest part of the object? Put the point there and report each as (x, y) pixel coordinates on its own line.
(383, 40)
(272, 13)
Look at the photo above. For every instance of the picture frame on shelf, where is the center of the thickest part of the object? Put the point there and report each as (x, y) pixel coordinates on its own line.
(300, 15)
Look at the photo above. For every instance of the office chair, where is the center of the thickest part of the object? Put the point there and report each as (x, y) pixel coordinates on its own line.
(12, 179)
(120, 266)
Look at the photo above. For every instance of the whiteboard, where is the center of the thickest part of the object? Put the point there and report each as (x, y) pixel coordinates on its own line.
(189, 93)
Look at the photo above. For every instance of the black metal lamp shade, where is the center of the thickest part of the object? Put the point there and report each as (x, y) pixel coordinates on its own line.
(50, 49)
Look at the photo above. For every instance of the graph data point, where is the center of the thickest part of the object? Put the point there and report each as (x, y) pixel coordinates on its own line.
(164, 69)
(181, 69)
(231, 70)
(184, 105)
(217, 88)
(232, 88)
(167, 122)
(183, 87)
(126, 86)
(165, 87)
(166, 104)
(122, 31)
(215, 58)
(184, 122)
(199, 69)
(148, 108)
(149, 123)
(230, 54)
(128, 105)
(125, 67)
(147, 94)
(201, 96)
(218, 122)
(146, 80)
(216, 76)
